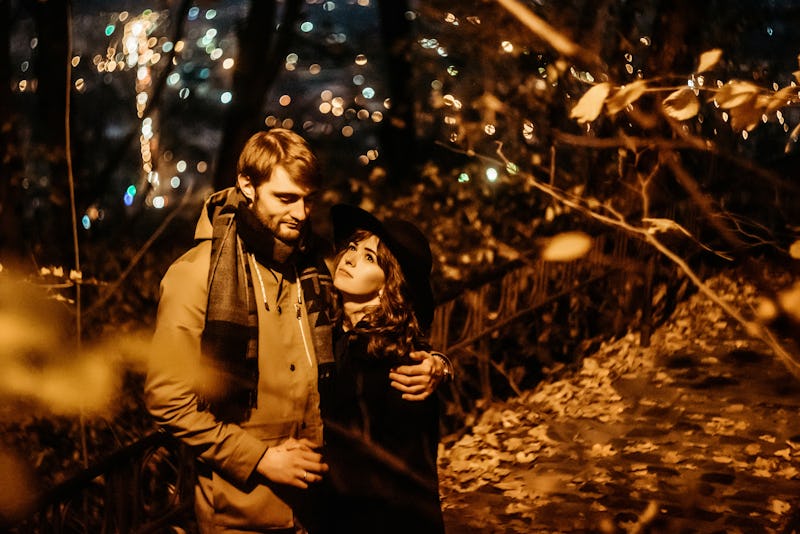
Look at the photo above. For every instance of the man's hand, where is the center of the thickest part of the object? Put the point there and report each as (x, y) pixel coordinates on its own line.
(293, 462)
(418, 381)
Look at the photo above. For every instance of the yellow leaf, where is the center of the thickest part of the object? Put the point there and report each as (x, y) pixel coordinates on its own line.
(567, 246)
(790, 301)
(590, 105)
(736, 93)
(783, 97)
(792, 139)
(709, 59)
(753, 449)
(779, 507)
(681, 105)
(786, 454)
(766, 309)
(626, 96)
(746, 117)
(794, 250)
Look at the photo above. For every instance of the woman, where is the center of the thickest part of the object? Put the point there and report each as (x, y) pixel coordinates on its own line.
(381, 449)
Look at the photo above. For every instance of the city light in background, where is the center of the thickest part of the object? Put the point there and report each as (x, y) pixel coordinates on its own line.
(125, 51)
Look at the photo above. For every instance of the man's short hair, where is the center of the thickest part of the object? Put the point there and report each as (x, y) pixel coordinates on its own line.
(279, 147)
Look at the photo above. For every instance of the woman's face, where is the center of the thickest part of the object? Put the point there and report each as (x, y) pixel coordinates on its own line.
(358, 275)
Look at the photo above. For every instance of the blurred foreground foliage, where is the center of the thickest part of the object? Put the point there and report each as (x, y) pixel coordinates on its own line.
(520, 138)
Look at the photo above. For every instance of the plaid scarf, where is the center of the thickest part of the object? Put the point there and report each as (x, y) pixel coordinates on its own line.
(230, 338)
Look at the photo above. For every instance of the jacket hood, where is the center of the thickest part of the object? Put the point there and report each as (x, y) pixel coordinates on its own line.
(211, 207)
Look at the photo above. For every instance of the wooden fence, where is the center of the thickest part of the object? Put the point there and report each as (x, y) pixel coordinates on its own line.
(465, 325)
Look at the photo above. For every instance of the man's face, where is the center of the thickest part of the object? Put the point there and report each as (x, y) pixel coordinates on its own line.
(282, 205)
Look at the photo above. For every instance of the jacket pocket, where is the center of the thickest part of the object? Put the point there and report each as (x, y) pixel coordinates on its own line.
(258, 504)
(252, 507)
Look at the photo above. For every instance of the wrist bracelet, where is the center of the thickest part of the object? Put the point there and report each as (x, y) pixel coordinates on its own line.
(448, 365)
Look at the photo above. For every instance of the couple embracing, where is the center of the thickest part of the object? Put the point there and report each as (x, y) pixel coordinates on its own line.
(306, 398)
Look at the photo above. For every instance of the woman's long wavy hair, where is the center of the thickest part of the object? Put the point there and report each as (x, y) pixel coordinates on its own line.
(391, 327)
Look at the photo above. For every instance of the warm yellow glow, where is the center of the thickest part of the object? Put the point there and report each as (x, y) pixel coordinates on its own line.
(347, 131)
(285, 100)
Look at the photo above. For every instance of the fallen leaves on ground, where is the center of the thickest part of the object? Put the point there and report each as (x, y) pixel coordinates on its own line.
(682, 425)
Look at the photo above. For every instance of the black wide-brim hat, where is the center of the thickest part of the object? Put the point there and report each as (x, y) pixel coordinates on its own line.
(406, 242)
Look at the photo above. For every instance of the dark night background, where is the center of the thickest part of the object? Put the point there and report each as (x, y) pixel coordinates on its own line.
(119, 117)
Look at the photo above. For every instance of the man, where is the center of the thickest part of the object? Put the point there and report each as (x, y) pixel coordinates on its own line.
(243, 327)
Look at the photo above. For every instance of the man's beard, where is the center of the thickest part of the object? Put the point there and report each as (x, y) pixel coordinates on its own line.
(281, 250)
(262, 236)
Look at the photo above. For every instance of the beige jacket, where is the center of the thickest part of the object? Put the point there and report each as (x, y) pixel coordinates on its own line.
(230, 496)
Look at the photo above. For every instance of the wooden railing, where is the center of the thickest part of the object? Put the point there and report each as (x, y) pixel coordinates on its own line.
(144, 488)
(466, 325)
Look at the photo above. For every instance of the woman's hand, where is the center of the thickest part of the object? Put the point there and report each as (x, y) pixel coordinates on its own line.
(293, 462)
(418, 381)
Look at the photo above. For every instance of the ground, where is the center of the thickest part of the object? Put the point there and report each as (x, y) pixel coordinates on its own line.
(696, 433)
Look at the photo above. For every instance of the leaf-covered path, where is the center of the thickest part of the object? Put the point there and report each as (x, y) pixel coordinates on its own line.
(697, 433)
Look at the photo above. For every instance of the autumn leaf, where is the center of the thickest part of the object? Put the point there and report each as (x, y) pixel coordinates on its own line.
(794, 250)
(681, 105)
(781, 98)
(790, 301)
(766, 309)
(590, 105)
(626, 96)
(736, 93)
(778, 506)
(792, 139)
(567, 246)
(746, 117)
(709, 59)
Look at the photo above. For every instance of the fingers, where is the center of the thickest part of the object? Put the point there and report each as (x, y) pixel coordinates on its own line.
(419, 355)
(420, 390)
(425, 368)
(410, 381)
(416, 397)
(292, 463)
(292, 444)
(307, 443)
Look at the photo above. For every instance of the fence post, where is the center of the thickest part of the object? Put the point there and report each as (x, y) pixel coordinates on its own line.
(647, 305)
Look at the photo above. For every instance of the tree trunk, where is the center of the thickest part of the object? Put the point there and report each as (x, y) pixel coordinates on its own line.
(261, 54)
(398, 133)
(11, 242)
(52, 217)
